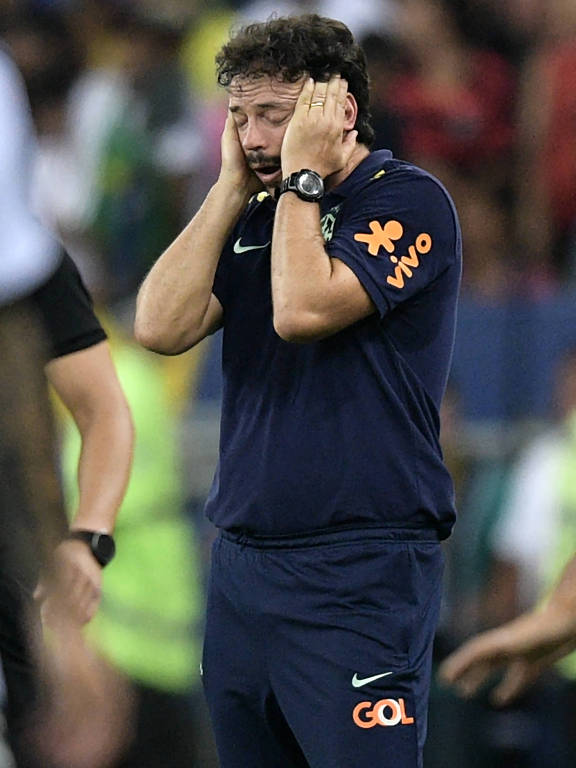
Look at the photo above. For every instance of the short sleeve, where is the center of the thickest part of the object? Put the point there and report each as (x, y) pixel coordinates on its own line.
(221, 281)
(398, 236)
(65, 307)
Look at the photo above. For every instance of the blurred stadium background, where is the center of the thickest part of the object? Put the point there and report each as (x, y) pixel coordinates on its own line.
(482, 93)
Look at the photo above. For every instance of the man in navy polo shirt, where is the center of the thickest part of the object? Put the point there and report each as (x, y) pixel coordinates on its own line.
(334, 273)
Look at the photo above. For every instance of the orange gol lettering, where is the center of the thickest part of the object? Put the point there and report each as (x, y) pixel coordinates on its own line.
(385, 712)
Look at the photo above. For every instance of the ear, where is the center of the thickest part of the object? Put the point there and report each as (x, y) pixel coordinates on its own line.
(350, 112)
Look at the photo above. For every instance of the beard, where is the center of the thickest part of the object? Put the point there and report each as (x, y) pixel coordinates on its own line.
(259, 161)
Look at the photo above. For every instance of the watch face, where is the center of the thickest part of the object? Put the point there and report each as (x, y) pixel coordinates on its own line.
(310, 184)
(104, 547)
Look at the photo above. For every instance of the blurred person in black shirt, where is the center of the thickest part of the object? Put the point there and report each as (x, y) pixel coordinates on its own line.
(52, 329)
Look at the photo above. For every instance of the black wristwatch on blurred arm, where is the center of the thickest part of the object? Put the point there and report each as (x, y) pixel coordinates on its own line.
(101, 544)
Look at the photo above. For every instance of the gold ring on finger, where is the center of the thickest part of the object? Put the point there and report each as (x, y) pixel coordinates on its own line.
(317, 104)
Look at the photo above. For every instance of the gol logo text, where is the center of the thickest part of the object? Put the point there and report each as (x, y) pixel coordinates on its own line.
(386, 712)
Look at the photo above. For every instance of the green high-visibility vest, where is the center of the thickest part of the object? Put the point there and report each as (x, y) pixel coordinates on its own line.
(152, 601)
(564, 546)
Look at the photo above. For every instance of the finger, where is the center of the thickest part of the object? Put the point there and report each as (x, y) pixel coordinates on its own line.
(87, 599)
(305, 97)
(459, 662)
(333, 97)
(321, 91)
(341, 97)
(89, 604)
(77, 590)
(474, 678)
(519, 676)
(230, 132)
(318, 101)
(489, 647)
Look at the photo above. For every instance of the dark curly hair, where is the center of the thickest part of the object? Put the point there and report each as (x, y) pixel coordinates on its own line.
(293, 46)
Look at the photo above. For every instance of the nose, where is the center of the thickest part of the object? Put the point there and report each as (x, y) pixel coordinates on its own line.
(253, 137)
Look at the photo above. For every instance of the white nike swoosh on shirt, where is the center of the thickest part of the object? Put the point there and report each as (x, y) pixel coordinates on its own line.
(238, 248)
(358, 682)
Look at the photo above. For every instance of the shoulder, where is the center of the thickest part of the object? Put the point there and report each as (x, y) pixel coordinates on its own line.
(382, 175)
(65, 307)
(401, 177)
(65, 283)
(407, 193)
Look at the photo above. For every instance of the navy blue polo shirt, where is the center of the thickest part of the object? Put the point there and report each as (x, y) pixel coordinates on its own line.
(342, 431)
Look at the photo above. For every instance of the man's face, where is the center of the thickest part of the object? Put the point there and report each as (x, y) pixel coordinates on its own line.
(262, 108)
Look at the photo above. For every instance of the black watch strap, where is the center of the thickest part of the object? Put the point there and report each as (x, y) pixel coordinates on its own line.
(101, 544)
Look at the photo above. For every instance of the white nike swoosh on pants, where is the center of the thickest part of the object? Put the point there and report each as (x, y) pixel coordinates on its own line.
(358, 682)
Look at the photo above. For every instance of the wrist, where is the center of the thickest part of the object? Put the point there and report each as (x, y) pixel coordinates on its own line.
(101, 544)
(232, 193)
(307, 184)
(294, 167)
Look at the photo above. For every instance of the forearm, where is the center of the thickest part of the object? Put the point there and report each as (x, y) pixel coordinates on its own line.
(550, 629)
(103, 468)
(528, 644)
(301, 268)
(175, 296)
(313, 295)
(562, 602)
(87, 383)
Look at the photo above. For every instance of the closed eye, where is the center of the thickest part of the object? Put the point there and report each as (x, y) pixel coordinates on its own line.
(276, 118)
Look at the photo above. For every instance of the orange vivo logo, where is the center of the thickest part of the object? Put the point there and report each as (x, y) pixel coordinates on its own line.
(384, 237)
(385, 712)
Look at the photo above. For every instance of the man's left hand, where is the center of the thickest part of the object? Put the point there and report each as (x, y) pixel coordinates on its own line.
(315, 137)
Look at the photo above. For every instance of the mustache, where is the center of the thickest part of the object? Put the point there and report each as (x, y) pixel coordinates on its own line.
(261, 160)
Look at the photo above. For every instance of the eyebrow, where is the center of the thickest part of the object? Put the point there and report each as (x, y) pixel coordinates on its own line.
(270, 105)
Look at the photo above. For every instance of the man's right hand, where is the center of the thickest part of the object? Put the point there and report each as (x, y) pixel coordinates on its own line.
(234, 170)
(176, 308)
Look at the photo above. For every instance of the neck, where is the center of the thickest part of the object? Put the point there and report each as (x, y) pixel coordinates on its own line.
(360, 152)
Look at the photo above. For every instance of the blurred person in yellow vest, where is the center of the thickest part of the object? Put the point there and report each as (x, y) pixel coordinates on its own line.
(152, 598)
(533, 548)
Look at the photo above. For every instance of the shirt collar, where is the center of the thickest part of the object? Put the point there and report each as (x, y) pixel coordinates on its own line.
(364, 170)
(371, 164)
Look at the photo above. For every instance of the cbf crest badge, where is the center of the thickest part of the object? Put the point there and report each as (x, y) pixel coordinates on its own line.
(328, 223)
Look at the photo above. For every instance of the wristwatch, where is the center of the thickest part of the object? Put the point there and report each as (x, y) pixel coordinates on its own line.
(307, 184)
(101, 544)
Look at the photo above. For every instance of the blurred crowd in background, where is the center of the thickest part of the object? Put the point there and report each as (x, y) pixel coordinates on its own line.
(480, 92)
